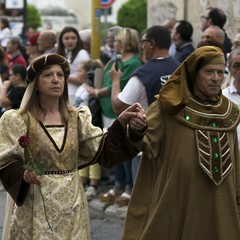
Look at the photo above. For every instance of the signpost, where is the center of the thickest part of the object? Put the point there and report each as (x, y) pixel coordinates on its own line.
(15, 10)
(96, 25)
(107, 3)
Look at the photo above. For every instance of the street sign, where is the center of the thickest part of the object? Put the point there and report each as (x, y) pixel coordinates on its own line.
(106, 3)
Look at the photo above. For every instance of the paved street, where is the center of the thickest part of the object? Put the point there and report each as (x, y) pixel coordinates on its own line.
(2, 209)
(106, 221)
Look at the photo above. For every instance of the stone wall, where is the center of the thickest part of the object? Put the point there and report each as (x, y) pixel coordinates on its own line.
(191, 10)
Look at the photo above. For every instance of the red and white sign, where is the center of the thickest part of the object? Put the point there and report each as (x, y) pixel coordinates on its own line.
(107, 3)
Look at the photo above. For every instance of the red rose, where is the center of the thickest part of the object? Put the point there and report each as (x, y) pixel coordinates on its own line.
(24, 141)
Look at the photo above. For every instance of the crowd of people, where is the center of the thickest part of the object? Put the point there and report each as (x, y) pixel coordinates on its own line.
(157, 112)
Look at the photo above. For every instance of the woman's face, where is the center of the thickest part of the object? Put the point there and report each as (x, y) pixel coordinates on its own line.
(209, 79)
(69, 40)
(51, 82)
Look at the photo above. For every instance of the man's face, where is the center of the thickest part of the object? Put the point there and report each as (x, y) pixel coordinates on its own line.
(234, 68)
(110, 40)
(146, 46)
(236, 43)
(205, 20)
(210, 34)
(43, 43)
(10, 48)
(209, 79)
(174, 33)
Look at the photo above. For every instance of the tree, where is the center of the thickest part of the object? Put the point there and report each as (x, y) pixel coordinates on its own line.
(33, 17)
(133, 14)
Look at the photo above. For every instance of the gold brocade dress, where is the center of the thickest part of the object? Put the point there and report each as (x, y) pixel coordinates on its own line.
(62, 190)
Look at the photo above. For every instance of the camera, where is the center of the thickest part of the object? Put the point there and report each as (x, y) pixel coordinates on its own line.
(119, 62)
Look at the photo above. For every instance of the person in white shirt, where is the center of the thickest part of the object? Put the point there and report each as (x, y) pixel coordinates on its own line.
(5, 31)
(232, 92)
(70, 46)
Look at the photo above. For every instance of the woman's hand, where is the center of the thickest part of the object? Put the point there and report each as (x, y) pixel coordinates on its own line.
(31, 177)
(134, 116)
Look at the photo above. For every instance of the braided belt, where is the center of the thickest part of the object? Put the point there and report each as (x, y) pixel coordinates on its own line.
(58, 172)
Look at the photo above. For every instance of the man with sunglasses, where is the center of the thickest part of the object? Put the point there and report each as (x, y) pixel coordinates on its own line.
(146, 80)
(217, 17)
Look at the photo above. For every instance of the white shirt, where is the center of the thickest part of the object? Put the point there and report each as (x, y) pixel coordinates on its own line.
(134, 91)
(81, 56)
(4, 36)
(232, 94)
(81, 96)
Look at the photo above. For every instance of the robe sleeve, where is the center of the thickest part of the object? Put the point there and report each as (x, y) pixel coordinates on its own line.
(120, 144)
(12, 126)
(89, 138)
(107, 148)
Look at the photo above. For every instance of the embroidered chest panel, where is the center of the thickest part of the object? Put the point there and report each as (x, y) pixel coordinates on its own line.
(214, 154)
(213, 125)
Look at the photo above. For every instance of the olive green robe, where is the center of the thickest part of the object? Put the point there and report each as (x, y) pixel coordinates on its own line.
(187, 185)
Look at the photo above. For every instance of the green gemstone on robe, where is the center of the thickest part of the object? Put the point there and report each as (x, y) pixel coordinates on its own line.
(187, 118)
(215, 170)
(214, 125)
(215, 155)
(214, 140)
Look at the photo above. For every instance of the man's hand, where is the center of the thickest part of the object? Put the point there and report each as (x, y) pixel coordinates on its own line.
(134, 116)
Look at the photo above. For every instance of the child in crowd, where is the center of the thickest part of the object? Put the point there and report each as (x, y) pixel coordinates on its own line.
(86, 71)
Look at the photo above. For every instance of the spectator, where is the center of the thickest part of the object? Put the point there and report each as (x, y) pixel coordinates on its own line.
(14, 52)
(213, 33)
(188, 185)
(169, 24)
(90, 175)
(107, 51)
(236, 43)
(144, 83)
(232, 91)
(4, 65)
(13, 89)
(24, 35)
(32, 47)
(85, 36)
(217, 17)
(5, 31)
(46, 41)
(126, 42)
(182, 37)
(70, 46)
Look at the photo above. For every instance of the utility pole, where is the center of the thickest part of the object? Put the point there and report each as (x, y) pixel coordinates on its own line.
(96, 29)
(24, 13)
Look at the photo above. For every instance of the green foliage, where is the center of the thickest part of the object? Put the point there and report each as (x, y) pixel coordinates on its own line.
(133, 14)
(33, 17)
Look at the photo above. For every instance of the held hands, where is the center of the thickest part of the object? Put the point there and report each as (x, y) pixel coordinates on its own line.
(134, 116)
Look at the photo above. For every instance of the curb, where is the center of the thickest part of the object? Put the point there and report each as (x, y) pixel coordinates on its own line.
(111, 212)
